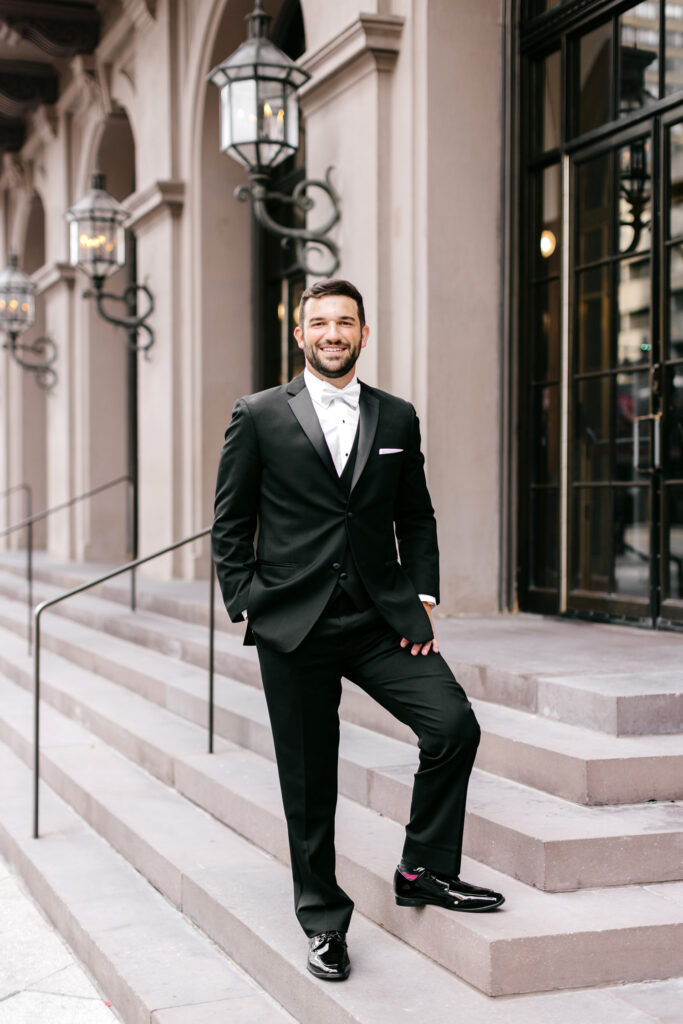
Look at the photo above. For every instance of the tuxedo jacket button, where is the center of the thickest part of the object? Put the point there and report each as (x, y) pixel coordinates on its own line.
(336, 566)
(343, 575)
(349, 515)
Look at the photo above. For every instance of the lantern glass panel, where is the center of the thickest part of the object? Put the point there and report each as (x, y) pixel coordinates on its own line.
(243, 109)
(226, 125)
(17, 310)
(274, 110)
(292, 120)
(97, 245)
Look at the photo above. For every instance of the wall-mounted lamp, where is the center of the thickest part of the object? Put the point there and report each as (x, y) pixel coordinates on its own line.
(18, 314)
(259, 127)
(97, 244)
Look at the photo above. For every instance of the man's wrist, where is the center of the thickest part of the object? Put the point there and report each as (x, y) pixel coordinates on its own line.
(427, 599)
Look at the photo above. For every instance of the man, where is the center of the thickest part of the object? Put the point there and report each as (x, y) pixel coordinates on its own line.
(329, 473)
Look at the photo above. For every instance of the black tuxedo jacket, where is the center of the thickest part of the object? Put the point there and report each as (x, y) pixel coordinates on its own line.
(277, 484)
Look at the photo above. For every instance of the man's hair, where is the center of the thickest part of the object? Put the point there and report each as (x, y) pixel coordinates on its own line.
(337, 287)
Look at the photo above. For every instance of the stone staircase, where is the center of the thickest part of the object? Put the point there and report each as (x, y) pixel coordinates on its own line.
(165, 867)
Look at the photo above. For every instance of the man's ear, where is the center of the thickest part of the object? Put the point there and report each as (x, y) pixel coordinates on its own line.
(364, 334)
(299, 335)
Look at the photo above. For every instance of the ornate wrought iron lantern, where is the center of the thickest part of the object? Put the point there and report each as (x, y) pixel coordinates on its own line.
(17, 315)
(259, 127)
(97, 244)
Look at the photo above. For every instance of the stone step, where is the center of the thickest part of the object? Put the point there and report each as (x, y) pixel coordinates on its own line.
(611, 679)
(539, 839)
(538, 942)
(567, 761)
(156, 967)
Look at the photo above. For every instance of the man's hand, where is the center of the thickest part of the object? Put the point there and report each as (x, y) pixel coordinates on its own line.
(431, 645)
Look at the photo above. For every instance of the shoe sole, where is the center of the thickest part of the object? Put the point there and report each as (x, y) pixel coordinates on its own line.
(328, 977)
(423, 901)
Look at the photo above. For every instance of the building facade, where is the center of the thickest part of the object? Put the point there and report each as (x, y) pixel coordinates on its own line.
(509, 178)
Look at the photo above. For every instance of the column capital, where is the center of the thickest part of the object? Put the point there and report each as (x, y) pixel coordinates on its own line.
(158, 199)
(51, 274)
(371, 43)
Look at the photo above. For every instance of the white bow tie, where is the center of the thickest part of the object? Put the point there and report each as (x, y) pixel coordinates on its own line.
(350, 394)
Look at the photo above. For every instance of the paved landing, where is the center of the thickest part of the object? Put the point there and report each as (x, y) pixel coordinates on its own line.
(41, 982)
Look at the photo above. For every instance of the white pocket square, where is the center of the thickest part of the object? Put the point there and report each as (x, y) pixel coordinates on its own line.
(390, 451)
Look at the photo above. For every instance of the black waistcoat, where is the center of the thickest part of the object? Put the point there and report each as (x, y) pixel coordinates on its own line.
(349, 581)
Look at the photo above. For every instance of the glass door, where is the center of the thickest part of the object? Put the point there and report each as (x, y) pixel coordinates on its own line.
(614, 409)
(668, 380)
(625, 479)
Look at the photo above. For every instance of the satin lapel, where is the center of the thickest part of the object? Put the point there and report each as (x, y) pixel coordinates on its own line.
(302, 407)
(369, 416)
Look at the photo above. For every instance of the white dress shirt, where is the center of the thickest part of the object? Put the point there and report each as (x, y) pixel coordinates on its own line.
(338, 419)
(339, 423)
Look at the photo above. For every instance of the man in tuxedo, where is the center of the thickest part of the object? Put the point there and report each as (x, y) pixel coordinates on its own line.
(327, 475)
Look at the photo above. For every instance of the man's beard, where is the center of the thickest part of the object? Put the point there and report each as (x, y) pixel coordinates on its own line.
(340, 369)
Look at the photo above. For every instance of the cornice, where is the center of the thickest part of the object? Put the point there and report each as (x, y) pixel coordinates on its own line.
(161, 198)
(370, 43)
(51, 274)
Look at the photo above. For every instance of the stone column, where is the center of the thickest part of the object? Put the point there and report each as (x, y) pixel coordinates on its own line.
(155, 220)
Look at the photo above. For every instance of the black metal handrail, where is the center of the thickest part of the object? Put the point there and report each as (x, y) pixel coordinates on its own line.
(128, 567)
(27, 524)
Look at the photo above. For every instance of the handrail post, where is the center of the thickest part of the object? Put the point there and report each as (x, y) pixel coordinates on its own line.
(36, 725)
(29, 580)
(80, 589)
(212, 617)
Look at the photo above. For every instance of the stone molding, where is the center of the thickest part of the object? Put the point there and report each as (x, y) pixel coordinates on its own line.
(159, 199)
(371, 43)
(51, 274)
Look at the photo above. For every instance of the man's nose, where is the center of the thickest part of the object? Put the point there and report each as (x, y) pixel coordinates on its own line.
(332, 332)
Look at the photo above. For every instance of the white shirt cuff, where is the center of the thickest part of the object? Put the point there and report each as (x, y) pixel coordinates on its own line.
(428, 598)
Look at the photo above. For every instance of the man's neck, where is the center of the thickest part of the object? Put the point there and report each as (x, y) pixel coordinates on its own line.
(337, 382)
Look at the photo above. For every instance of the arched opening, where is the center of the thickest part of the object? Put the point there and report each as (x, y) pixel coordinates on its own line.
(235, 322)
(26, 401)
(277, 283)
(109, 376)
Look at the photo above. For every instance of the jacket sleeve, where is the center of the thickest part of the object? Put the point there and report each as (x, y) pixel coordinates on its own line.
(414, 520)
(236, 510)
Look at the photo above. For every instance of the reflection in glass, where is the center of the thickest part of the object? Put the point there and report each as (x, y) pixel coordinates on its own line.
(591, 539)
(545, 434)
(544, 538)
(546, 340)
(635, 195)
(675, 302)
(593, 322)
(549, 233)
(632, 400)
(552, 101)
(676, 180)
(592, 429)
(595, 207)
(639, 57)
(674, 424)
(634, 341)
(673, 49)
(632, 530)
(673, 553)
(595, 63)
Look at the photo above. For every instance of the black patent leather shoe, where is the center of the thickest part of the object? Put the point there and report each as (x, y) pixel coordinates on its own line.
(423, 887)
(328, 957)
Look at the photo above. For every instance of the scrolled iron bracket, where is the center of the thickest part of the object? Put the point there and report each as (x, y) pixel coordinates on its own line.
(305, 241)
(42, 353)
(131, 324)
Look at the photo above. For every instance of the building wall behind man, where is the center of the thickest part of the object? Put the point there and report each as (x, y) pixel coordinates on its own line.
(405, 105)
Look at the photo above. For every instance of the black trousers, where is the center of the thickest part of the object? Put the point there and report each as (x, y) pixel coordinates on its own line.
(303, 690)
